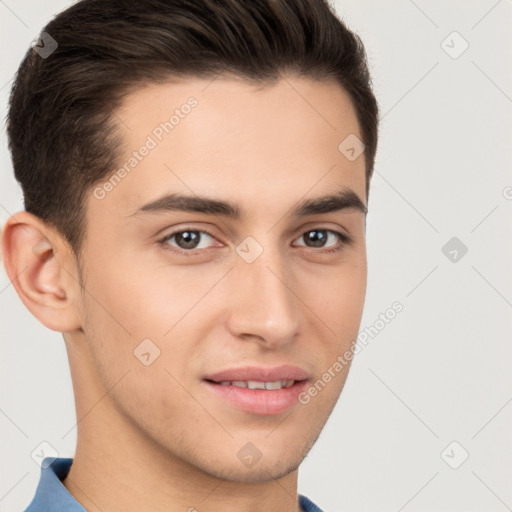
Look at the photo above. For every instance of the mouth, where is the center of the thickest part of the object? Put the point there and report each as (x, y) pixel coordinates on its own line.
(257, 397)
(254, 384)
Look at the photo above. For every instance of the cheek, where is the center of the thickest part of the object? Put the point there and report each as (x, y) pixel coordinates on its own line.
(139, 320)
(142, 298)
(337, 298)
(133, 358)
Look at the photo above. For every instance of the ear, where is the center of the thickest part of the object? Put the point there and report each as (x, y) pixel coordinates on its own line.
(43, 269)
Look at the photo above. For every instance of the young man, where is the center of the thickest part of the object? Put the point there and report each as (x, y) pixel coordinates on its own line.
(196, 178)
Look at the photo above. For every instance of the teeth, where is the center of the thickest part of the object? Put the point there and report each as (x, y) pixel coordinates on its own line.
(254, 384)
(278, 384)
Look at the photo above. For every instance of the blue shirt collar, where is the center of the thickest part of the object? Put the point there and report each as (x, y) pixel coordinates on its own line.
(52, 496)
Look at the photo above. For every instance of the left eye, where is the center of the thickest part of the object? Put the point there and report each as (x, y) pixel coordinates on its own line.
(319, 237)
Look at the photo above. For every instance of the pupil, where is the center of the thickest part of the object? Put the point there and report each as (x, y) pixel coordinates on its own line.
(187, 239)
(317, 238)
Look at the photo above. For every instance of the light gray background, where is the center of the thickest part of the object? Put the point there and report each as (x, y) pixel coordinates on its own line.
(441, 371)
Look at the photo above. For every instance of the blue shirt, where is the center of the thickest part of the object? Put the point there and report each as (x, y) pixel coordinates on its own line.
(52, 496)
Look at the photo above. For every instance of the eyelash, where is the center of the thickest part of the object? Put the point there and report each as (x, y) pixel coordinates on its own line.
(345, 240)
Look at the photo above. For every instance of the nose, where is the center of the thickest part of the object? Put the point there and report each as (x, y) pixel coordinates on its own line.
(263, 306)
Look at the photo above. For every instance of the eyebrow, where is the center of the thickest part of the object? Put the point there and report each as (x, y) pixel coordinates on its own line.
(345, 199)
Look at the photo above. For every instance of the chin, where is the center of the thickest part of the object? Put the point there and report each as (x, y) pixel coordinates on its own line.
(271, 466)
(260, 473)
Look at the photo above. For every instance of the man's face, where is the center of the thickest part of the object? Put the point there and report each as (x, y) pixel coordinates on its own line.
(265, 288)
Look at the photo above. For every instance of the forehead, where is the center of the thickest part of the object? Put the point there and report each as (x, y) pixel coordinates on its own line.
(218, 137)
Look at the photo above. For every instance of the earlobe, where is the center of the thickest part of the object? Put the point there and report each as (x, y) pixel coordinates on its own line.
(34, 257)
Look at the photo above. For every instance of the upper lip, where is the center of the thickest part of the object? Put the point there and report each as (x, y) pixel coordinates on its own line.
(260, 374)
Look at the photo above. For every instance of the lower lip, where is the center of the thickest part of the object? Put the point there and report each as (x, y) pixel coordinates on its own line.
(260, 401)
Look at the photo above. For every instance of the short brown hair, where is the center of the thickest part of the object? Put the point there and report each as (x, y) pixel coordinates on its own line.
(61, 126)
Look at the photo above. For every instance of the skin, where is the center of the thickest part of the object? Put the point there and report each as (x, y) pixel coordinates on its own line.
(153, 437)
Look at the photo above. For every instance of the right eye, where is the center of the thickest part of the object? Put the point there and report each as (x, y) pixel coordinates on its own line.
(186, 240)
